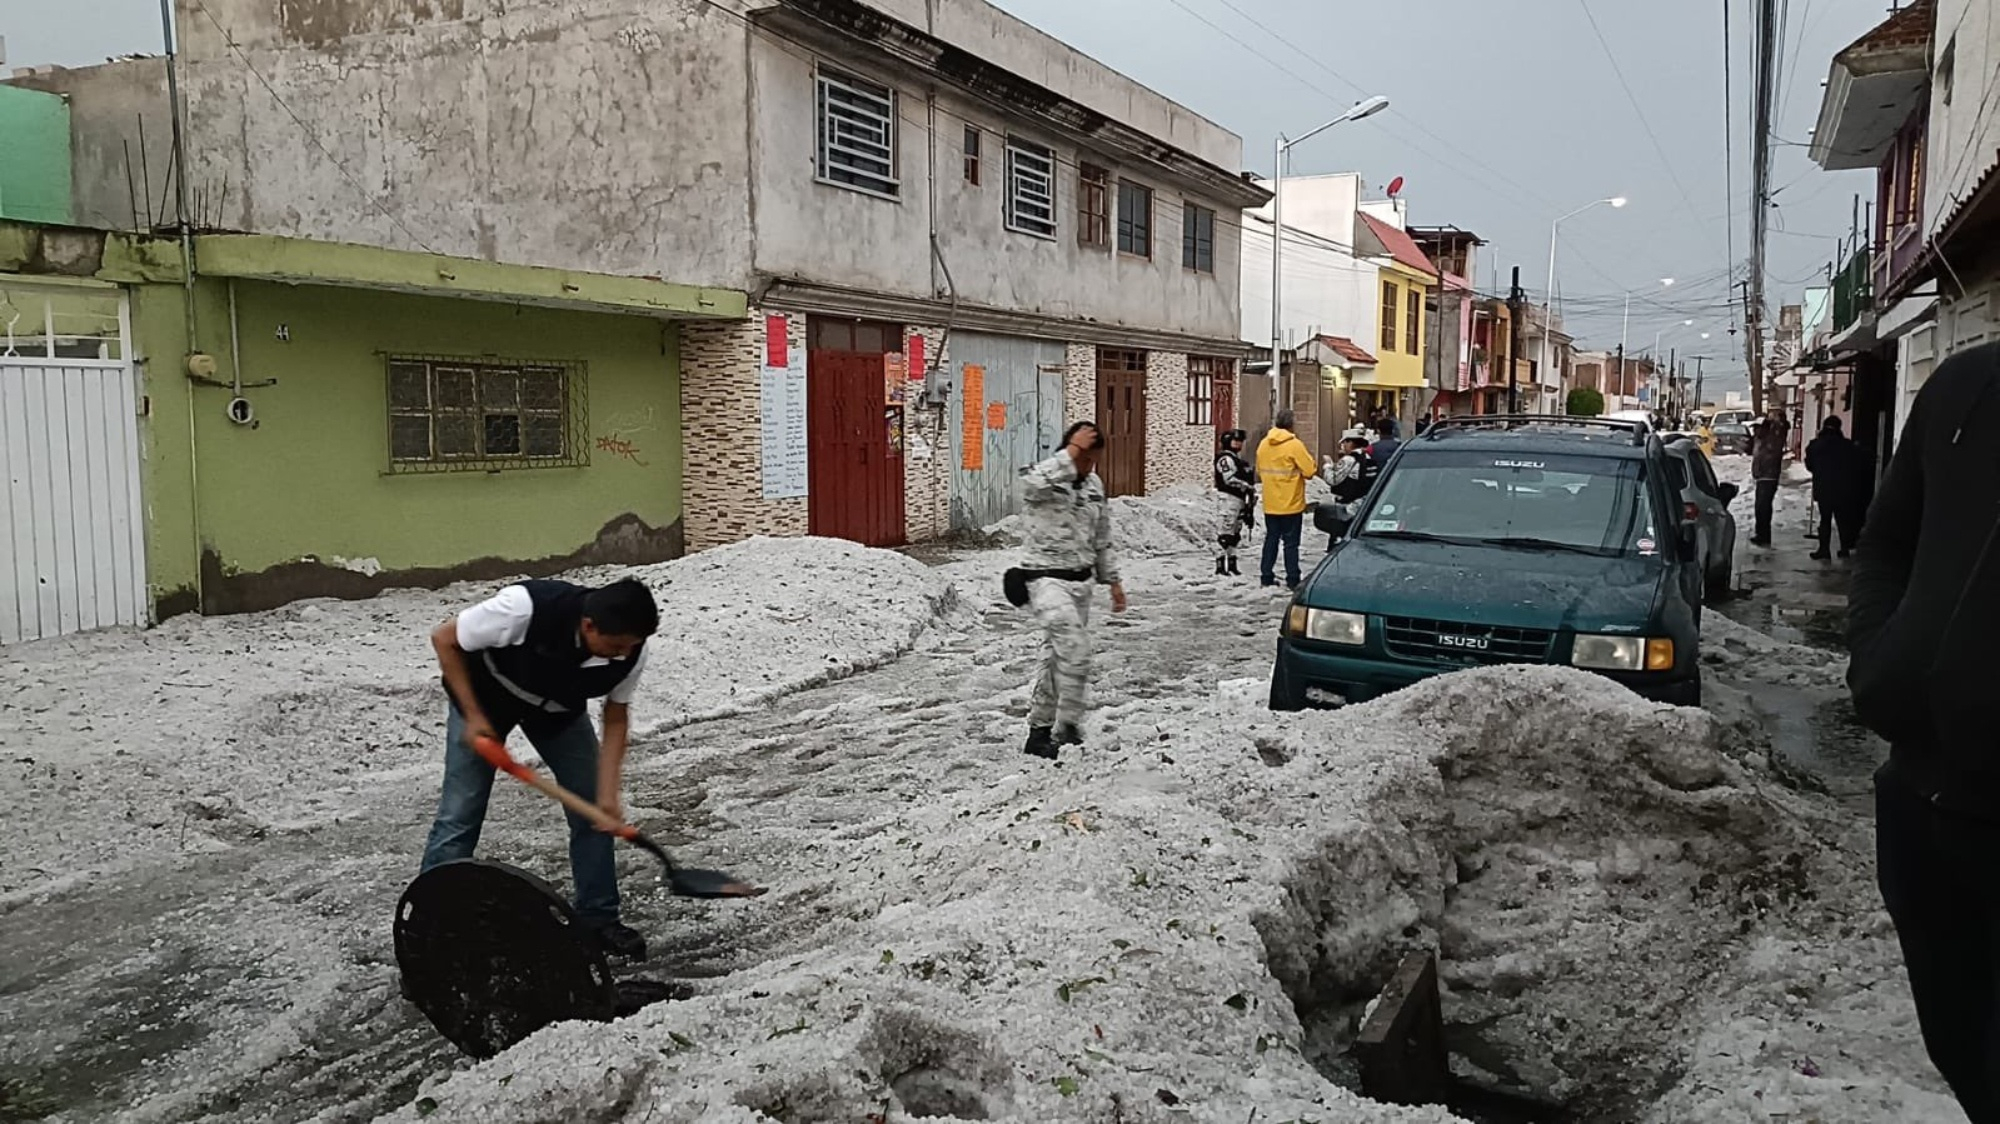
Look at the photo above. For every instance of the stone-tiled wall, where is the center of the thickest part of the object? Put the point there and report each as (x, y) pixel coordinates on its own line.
(1176, 452)
(722, 474)
(1079, 383)
(927, 452)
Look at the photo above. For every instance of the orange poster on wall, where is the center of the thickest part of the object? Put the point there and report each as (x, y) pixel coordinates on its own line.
(996, 415)
(972, 436)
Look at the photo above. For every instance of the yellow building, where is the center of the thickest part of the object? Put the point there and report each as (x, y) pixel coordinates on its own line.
(1395, 386)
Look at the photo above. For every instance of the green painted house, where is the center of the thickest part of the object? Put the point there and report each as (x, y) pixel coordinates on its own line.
(325, 420)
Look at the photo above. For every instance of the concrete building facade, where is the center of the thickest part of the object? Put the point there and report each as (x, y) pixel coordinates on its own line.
(873, 174)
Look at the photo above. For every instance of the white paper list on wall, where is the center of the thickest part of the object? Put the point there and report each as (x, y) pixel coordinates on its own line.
(783, 429)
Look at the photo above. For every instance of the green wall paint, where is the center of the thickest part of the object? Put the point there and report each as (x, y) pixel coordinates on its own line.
(34, 156)
(310, 480)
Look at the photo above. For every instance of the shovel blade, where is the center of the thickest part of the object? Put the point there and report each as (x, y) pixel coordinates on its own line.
(697, 883)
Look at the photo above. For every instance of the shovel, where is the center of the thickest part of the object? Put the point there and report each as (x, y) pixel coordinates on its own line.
(684, 881)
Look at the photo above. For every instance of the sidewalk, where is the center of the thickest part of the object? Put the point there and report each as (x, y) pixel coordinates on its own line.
(1780, 589)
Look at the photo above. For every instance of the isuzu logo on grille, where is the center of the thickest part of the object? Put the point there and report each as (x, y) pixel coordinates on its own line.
(1469, 643)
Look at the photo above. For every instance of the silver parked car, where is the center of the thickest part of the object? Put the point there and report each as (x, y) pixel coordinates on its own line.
(1705, 502)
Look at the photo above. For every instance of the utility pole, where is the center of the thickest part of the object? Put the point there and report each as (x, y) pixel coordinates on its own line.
(1515, 302)
(1621, 370)
(1697, 380)
(1760, 192)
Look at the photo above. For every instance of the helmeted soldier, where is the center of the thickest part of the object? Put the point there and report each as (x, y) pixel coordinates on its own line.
(1236, 494)
(1066, 525)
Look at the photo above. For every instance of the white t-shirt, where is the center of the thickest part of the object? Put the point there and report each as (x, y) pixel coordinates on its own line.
(501, 621)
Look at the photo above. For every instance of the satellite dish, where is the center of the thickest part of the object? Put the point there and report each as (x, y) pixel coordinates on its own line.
(1395, 187)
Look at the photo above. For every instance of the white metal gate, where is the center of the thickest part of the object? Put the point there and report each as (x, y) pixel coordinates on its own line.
(72, 538)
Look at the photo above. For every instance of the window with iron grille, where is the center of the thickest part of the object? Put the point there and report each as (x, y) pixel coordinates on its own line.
(1390, 294)
(1198, 239)
(1413, 324)
(1031, 188)
(1202, 373)
(1135, 219)
(972, 155)
(857, 134)
(448, 414)
(1093, 204)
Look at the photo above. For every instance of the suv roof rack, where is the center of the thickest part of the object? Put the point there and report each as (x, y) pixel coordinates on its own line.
(1638, 430)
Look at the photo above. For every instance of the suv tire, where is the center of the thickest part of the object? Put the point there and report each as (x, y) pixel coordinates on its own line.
(1284, 696)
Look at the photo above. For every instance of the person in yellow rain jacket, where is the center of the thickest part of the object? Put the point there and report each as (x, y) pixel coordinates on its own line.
(1283, 466)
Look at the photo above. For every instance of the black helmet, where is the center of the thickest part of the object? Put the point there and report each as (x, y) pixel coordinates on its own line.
(1234, 437)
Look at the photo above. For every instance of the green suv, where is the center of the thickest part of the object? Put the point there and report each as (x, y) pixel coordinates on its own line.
(1502, 540)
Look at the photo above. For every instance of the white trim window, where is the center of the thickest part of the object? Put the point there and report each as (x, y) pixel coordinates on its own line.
(856, 134)
(1031, 188)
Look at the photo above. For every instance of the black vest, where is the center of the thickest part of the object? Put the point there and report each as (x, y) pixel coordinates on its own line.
(1357, 485)
(548, 663)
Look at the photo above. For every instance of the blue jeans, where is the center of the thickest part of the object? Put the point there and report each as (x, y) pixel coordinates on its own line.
(1282, 529)
(571, 754)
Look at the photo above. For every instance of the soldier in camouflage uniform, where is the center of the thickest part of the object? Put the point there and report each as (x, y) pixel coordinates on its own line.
(1067, 527)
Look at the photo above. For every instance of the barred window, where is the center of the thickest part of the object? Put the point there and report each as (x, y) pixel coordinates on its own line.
(485, 414)
(1201, 389)
(857, 134)
(1031, 188)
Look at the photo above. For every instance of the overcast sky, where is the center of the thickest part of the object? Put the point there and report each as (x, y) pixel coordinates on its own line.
(1505, 114)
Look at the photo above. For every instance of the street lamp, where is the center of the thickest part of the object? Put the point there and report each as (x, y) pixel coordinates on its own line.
(1549, 294)
(1368, 108)
(1625, 333)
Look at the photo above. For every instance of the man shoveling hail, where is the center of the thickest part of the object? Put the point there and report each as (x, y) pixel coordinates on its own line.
(531, 658)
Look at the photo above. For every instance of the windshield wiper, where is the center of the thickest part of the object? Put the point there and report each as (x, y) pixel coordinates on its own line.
(1546, 544)
(1411, 536)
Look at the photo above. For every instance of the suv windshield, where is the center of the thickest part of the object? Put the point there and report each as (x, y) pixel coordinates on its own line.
(1596, 505)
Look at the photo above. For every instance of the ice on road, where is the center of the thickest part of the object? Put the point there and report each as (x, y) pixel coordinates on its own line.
(1181, 922)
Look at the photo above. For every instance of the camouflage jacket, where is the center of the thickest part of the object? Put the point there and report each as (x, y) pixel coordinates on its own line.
(1066, 521)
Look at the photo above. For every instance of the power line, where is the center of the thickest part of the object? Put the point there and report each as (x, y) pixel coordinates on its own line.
(1659, 149)
(1522, 192)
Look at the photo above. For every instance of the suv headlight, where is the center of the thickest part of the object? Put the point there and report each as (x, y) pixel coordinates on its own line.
(1328, 626)
(1623, 653)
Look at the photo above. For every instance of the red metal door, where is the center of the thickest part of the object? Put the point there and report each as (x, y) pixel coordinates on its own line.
(1121, 414)
(855, 444)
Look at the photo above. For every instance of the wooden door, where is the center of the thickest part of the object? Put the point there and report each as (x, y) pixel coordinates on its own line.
(1121, 415)
(855, 443)
(1224, 394)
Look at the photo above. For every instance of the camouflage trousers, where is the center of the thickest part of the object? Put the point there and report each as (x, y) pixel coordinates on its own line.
(1063, 610)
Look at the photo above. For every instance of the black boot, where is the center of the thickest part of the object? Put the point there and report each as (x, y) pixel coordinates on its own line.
(1067, 734)
(1041, 742)
(620, 939)
(1233, 571)
(1221, 568)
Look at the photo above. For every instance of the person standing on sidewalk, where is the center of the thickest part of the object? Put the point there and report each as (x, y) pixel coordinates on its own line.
(1283, 465)
(1769, 438)
(531, 657)
(1922, 614)
(1236, 494)
(1837, 479)
(1066, 525)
